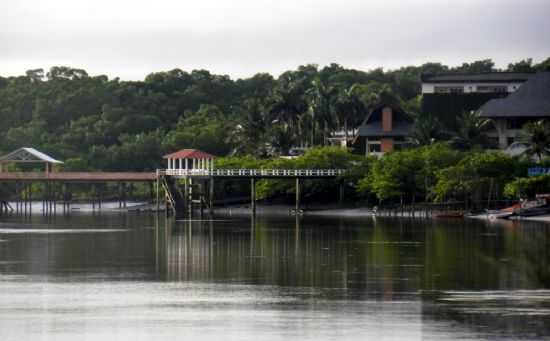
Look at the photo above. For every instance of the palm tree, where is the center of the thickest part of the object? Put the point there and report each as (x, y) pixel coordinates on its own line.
(350, 108)
(249, 137)
(322, 98)
(427, 129)
(288, 104)
(537, 136)
(471, 127)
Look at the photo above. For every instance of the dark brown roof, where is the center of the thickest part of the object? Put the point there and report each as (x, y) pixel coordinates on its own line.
(189, 154)
(531, 100)
(489, 77)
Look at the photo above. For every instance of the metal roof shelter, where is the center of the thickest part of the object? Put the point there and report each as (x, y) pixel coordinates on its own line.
(28, 155)
(190, 159)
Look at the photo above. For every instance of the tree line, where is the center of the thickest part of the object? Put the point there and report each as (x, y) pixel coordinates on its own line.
(98, 123)
(437, 173)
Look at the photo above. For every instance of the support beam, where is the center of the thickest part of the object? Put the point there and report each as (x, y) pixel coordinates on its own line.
(186, 195)
(211, 196)
(253, 195)
(297, 195)
(190, 199)
(158, 193)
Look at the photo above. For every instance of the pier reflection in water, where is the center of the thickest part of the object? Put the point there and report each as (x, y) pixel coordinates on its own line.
(270, 278)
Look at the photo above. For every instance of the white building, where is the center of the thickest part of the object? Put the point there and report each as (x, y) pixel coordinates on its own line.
(486, 83)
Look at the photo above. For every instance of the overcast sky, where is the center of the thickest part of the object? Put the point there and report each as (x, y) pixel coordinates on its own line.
(131, 38)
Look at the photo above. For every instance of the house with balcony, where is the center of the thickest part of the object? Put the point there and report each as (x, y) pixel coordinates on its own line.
(386, 128)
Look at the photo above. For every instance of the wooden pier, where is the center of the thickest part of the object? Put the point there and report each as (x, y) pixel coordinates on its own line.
(188, 183)
(175, 198)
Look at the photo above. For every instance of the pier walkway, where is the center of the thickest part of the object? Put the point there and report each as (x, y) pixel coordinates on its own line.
(79, 176)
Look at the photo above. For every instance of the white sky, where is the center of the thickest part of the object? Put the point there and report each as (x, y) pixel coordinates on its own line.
(131, 38)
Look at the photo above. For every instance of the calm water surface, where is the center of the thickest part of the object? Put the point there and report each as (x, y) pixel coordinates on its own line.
(139, 277)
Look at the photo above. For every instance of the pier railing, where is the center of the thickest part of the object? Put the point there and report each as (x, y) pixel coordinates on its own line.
(275, 173)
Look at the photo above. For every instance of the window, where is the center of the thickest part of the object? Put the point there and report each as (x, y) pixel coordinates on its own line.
(375, 148)
(492, 88)
(514, 124)
(449, 90)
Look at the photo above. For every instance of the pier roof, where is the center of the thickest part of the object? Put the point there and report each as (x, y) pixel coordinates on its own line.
(189, 154)
(27, 155)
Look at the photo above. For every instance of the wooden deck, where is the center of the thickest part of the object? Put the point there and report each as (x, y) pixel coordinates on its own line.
(80, 176)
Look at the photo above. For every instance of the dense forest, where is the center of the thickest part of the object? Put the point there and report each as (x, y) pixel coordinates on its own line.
(93, 122)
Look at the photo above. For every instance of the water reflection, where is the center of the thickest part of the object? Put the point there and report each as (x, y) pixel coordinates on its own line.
(382, 256)
(295, 277)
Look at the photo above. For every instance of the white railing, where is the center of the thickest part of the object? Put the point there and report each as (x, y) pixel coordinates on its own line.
(254, 172)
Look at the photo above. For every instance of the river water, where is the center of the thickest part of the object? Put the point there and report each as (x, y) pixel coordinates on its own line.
(143, 277)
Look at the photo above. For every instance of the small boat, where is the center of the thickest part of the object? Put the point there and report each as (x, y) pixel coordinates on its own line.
(503, 213)
(533, 211)
(449, 215)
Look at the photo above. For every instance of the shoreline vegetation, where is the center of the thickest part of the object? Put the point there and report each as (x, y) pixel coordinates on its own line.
(436, 175)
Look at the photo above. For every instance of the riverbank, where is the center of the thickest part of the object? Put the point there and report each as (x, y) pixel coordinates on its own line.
(351, 212)
(318, 210)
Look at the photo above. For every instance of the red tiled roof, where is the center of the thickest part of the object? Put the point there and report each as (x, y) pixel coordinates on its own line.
(189, 154)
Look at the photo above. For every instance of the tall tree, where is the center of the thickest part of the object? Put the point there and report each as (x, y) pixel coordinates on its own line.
(537, 136)
(471, 128)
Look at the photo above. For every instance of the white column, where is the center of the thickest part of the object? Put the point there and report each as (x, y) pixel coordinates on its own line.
(194, 163)
(186, 164)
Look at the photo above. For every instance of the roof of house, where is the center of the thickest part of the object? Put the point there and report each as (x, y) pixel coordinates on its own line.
(489, 77)
(27, 154)
(189, 154)
(372, 125)
(531, 100)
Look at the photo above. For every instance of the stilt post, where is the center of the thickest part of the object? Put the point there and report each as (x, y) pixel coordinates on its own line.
(253, 195)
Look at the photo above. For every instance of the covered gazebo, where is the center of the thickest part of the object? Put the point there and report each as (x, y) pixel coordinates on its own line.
(28, 155)
(189, 160)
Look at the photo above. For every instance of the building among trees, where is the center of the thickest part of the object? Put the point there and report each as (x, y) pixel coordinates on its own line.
(528, 104)
(449, 96)
(385, 129)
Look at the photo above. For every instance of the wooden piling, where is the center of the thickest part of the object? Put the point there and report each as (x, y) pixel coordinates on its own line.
(253, 195)
(211, 196)
(297, 195)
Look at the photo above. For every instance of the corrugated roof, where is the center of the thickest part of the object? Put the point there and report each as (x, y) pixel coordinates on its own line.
(27, 154)
(531, 100)
(189, 154)
(489, 77)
